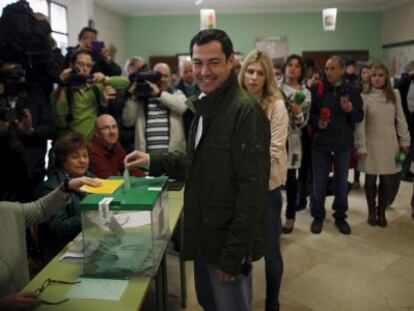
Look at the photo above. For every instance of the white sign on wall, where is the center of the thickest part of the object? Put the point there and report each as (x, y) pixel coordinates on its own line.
(207, 19)
(329, 19)
(276, 47)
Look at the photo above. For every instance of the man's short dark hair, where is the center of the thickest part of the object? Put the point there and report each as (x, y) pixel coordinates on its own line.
(208, 35)
(86, 29)
(337, 58)
(77, 53)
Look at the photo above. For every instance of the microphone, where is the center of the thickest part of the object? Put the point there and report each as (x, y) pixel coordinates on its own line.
(325, 114)
(400, 157)
(299, 97)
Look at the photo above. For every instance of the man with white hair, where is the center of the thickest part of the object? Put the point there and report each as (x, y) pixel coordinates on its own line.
(188, 86)
(158, 119)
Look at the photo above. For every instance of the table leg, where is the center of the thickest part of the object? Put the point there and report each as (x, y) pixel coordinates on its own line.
(183, 278)
(164, 282)
(159, 288)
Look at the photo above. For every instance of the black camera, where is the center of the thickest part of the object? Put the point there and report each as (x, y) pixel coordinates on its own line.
(11, 110)
(13, 86)
(76, 80)
(142, 88)
(12, 81)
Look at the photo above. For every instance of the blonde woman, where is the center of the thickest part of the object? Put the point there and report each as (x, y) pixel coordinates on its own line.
(256, 76)
(379, 138)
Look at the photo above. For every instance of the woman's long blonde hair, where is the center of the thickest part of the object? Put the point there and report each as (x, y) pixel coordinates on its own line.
(271, 92)
(387, 88)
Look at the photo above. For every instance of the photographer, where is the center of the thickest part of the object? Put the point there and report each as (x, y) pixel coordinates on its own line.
(25, 127)
(82, 96)
(156, 110)
(100, 54)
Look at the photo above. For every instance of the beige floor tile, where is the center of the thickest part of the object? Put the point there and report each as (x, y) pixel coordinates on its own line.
(370, 270)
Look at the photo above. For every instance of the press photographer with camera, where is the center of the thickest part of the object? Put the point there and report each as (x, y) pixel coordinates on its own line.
(26, 123)
(156, 110)
(100, 53)
(83, 96)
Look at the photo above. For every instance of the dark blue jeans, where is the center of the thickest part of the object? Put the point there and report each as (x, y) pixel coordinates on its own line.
(321, 163)
(215, 295)
(273, 256)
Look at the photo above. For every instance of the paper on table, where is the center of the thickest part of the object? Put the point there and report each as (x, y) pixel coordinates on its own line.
(75, 251)
(108, 186)
(104, 289)
(135, 219)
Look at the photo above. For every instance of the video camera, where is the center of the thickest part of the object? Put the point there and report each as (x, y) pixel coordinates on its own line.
(76, 80)
(12, 81)
(12, 86)
(139, 77)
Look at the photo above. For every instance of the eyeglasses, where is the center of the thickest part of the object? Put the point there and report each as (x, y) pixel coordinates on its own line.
(85, 65)
(48, 282)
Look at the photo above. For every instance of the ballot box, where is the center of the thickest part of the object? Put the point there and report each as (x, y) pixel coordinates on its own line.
(125, 233)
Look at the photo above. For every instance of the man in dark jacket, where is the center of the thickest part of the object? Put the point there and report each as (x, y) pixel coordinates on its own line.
(336, 107)
(102, 60)
(29, 126)
(406, 88)
(227, 173)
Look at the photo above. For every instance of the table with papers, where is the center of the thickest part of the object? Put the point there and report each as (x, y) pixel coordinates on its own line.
(120, 295)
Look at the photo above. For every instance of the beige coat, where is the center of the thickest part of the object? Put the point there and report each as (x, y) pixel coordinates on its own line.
(381, 133)
(279, 125)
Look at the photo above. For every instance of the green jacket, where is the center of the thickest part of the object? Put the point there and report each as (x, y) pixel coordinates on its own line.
(226, 176)
(65, 224)
(84, 110)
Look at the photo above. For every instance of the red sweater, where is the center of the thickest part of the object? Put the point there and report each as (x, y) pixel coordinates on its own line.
(104, 162)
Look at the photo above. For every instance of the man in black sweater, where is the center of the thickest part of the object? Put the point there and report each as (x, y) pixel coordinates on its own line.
(336, 108)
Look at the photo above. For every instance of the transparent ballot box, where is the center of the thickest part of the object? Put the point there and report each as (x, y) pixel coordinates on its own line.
(126, 233)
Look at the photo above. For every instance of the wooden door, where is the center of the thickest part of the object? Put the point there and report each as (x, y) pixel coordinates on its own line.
(320, 57)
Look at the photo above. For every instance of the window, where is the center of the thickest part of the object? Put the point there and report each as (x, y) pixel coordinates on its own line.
(57, 14)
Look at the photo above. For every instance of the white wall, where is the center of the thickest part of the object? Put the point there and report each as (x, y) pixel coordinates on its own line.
(398, 24)
(111, 27)
(79, 13)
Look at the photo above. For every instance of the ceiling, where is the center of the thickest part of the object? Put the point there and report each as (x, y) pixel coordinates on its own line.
(175, 7)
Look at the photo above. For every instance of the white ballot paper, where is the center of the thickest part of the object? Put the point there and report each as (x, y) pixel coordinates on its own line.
(127, 182)
(105, 289)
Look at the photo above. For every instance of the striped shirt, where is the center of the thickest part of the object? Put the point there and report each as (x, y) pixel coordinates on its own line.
(157, 130)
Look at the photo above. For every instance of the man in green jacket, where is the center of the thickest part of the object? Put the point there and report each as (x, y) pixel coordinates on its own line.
(83, 96)
(227, 173)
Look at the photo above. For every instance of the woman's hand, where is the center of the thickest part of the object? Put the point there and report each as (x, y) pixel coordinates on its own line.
(405, 149)
(296, 109)
(19, 301)
(77, 183)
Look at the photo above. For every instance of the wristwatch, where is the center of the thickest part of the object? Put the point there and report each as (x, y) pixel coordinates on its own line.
(65, 186)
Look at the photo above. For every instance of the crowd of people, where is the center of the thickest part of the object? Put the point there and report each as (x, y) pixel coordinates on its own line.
(238, 139)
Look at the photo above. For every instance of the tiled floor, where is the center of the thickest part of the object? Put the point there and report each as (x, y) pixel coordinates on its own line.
(372, 269)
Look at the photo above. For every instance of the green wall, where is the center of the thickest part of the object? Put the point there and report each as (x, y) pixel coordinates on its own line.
(169, 35)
